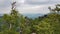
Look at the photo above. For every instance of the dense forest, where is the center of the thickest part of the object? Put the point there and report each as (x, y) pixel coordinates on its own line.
(16, 23)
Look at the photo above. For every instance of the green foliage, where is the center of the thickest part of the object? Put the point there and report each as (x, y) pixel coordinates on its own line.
(9, 32)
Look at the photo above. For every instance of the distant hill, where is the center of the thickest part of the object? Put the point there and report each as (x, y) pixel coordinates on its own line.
(29, 15)
(1, 15)
(33, 15)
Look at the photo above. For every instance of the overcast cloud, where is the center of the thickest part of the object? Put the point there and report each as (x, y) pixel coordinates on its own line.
(28, 6)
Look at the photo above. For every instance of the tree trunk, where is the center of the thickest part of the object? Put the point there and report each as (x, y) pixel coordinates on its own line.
(10, 26)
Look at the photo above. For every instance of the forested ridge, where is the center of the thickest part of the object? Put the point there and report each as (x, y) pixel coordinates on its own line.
(16, 23)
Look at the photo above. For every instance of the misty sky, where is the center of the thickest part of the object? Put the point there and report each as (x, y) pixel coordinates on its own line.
(28, 6)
